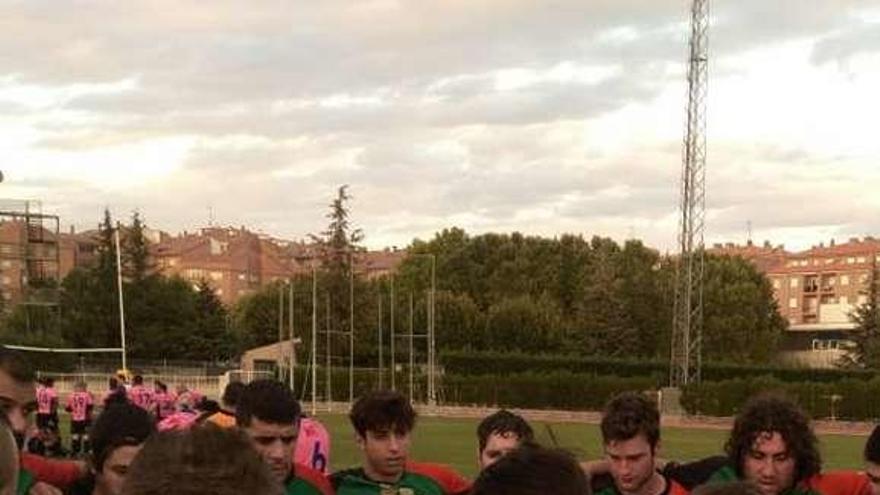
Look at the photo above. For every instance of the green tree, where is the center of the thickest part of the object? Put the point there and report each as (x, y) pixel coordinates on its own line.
(865, 352)
(136, 251)
(741, 319)
(210, 338)
(522, 323)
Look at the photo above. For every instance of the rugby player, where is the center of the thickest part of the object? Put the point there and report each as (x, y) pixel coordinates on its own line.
(500, 433)
(80, 404)
(383, 422)
(269, 414)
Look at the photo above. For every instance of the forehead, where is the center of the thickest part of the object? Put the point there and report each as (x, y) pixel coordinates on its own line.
(259, 428)
(636, 445)
(20, 392)
(502, 441)
(769, 443)
(122, 456)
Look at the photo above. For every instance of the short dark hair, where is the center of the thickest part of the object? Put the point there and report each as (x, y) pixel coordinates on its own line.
(501, 422)
(232, 393)
(382, 410)
(872, 446)
(14, 364)
(121, 423)
(628, 415)
(205, 459)
(267, 400)
(775, 413)
(137, 380)
(533, 470)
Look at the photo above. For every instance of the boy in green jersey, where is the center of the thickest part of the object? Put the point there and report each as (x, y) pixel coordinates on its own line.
(383, 422)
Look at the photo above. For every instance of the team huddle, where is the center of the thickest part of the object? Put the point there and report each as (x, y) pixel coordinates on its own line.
(251, 442)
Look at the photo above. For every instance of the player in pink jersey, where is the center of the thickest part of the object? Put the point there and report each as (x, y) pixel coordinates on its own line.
(166, 402)
(80, 404)
(140, 395)
(47, 403)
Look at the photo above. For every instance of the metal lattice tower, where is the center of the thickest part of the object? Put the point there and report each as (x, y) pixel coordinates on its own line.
(687, 326)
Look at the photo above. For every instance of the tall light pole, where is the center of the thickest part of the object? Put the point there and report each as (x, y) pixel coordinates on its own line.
(687, 324)
(432, 369)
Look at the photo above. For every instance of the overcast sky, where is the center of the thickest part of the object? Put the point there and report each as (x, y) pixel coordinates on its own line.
(543, 116)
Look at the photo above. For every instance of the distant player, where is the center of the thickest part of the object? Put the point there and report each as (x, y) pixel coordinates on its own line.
(140, 395)
(313, 445)
(383, 422)
(269, 414)
(47, 403)
(500, 433)
(166, 402)
(114, 388)
(225, 417)
(80, 405)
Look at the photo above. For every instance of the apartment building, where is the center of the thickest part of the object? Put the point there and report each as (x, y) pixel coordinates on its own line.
(817, 291)
(237, 262)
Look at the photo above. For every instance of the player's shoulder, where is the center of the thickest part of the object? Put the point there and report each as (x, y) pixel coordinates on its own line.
(842, 482)
(449, 480)
(313, 477)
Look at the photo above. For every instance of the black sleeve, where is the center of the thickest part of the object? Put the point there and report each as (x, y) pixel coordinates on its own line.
(694, 473)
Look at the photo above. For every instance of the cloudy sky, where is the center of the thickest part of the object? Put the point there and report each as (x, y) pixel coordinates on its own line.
(543, 116)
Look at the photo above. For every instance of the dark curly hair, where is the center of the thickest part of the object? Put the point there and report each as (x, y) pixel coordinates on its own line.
(382, 410)
(629, 414)
(775, 413)
(503, 422)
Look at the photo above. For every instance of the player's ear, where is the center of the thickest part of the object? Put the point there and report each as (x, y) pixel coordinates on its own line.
(359, 440)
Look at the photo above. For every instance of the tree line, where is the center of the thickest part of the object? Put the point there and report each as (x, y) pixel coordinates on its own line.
(567, 295)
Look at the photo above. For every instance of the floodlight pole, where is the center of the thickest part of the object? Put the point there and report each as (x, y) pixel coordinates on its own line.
(393, 360)
(350, 329)
(314, 340)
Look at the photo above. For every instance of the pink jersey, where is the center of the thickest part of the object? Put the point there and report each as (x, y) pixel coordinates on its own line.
(166, 404)
(141, 396)
(313, 445)
(47, 400)
(79, 404)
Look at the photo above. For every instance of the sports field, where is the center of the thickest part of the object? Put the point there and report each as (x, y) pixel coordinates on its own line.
(453, 442)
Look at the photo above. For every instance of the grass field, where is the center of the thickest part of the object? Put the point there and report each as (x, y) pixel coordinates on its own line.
(453, 442)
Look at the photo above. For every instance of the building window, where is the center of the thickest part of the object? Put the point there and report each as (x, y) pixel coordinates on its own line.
(861, 259)
(793, 283)
(850, 260)
(862, 299)
(216, 276)
(844, 280)
(792, 302)
(776, 283)
(863, 278)
(844, 300)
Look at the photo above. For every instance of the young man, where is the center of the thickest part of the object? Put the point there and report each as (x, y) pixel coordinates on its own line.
(872, 460)
(269, 414)
(204, 460)
(631, 436)
(772, 445)
(383, 422)
(500, 433)
(17, 401)
(80, 404)
(532, 470)
(140, 395)
(166, 402)
(117, 436)
(47, 402)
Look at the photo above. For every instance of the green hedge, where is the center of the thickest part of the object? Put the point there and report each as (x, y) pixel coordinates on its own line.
(557, 390)
(858, 399)
(495, 363)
